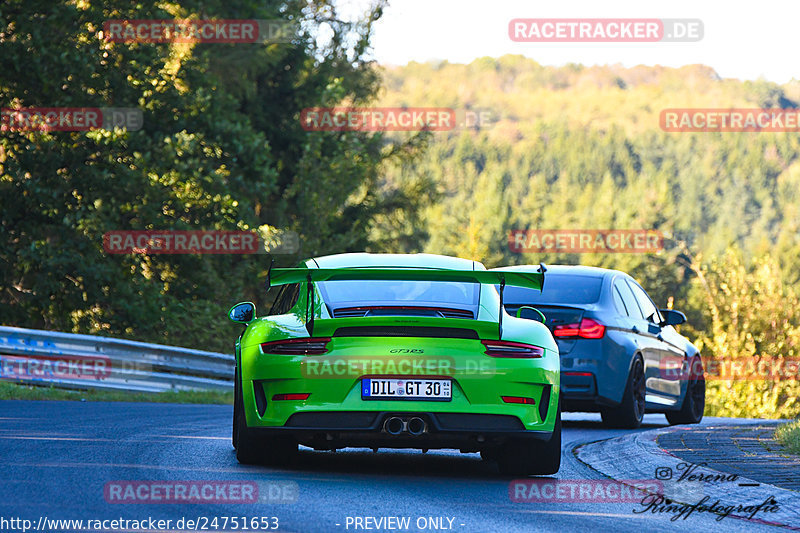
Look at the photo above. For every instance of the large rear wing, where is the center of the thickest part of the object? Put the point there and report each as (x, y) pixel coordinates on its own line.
(285, 276)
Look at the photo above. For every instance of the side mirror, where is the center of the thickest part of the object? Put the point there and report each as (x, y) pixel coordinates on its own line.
(242, 313)
(672, 317)
(530, 313)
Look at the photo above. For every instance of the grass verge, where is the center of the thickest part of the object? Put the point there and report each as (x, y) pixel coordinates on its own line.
(13, 391)
(788, 435)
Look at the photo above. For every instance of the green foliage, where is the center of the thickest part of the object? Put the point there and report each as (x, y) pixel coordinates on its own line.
(754, 317)
(13, 391)
(789, 436)
(221, 148)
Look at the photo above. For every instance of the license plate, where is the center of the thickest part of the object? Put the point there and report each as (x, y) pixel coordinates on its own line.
(406, 389)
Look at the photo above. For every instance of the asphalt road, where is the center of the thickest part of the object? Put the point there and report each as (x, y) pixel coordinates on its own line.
(58, 458)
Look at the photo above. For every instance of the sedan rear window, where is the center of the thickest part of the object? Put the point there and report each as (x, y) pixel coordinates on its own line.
(558, 289)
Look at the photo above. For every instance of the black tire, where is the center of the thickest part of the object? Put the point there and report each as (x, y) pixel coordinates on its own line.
(630, 412)
(695, 401)
(234, 433)
(490, 454)
(526, 457)
(255, 449)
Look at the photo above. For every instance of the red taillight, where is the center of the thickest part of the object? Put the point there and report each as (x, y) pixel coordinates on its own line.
(310, 346)
(512, 349)
(587, 329)
(583, 374)
(519, 399)
(293, 396)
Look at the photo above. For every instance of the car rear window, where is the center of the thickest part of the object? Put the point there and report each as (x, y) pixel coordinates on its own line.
(382, 292)
(563, 289)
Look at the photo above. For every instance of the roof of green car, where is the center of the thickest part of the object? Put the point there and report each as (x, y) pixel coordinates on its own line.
(363, 259)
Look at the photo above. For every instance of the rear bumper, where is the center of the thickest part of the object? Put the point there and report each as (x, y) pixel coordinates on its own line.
(579, 392)
(578, 385)
(338, 429)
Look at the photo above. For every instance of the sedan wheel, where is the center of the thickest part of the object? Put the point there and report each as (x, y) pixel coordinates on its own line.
(630, 412)
(695, 401)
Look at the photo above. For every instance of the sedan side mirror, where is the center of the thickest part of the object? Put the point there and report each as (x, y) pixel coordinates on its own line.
(671, 317)
(530, 313)
(242, 313)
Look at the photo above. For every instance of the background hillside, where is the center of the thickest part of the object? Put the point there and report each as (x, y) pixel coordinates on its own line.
(581, 147)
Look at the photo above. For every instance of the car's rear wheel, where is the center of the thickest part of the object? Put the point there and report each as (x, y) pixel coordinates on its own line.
(253, 448)
(630, 412)
(525, 457)
(234, 432)
(695, 401)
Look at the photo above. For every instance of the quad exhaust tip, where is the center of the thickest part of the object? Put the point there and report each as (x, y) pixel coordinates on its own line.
(416, 426)
(396, 425)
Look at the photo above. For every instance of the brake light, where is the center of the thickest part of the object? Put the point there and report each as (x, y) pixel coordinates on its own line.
(292, 396)
(580, 374)
(587, 329)
(519, 399)
(309, 346)
(512, 349)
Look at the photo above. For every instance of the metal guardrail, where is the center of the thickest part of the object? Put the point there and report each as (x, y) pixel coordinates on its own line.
(68, 360)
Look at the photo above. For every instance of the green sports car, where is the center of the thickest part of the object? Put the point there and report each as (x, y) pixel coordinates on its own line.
(397, 351)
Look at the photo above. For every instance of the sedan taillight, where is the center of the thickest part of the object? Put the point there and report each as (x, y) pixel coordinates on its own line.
(587, 329)
(309, 346)
(512, 349)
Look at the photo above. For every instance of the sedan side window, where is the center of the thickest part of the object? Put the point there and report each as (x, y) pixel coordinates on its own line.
(618, 303)
(629, 300)
(648, 308)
